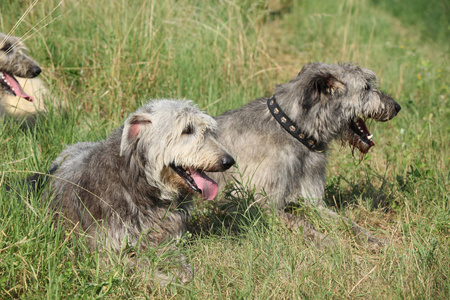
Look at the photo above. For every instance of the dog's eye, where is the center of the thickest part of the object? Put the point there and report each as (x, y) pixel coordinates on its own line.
(367, 87)
(6, 47)
(188, 130)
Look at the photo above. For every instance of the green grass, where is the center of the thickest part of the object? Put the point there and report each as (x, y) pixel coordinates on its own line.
(104, 58)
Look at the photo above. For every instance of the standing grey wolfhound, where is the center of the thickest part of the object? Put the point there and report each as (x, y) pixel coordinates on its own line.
(280, 143)
(20, 92)
(138, 184)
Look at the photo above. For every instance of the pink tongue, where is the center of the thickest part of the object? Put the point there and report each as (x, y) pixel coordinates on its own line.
(17, 88)
(207, 185)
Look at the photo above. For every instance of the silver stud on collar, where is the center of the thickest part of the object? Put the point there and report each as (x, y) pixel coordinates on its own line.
(292, 128)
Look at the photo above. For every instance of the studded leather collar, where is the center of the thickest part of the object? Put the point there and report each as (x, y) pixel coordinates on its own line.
(292, 128)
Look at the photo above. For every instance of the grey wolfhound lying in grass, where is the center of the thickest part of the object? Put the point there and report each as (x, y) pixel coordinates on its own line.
(280, 142)
(136, 187)
(21, 94)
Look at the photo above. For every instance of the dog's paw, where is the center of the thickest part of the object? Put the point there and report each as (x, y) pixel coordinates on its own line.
(182, 274)
(368, 241)
(375, 245)
(185, 273)
(296, 223)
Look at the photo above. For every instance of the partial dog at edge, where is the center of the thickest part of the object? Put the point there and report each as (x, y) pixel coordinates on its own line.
(280, 143)
(21, 93)
(136, 187)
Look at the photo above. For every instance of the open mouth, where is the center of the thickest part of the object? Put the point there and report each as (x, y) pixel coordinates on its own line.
(361, 138)
(198, 181)
(11, 86)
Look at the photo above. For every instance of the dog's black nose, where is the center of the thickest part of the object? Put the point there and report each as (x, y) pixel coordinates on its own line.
(33, 72)
(227, 161)
(397, 107)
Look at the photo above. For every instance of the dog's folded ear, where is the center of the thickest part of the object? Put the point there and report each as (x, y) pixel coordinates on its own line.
(321, 84)
(133, 127)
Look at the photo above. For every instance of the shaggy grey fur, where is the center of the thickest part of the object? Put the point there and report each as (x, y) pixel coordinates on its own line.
(125, 188)
(324, 100)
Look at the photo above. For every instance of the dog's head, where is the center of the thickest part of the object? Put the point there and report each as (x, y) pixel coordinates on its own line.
(14, 62)
(175, 144)
(336, 100)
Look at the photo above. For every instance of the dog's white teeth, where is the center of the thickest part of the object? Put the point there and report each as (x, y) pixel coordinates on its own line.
(370, 136)
(1, 75)
(188, 172)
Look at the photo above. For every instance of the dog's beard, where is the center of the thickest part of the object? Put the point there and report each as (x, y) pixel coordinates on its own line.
(358, 136)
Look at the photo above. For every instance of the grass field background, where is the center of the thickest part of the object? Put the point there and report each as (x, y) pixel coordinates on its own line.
(104, 58)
